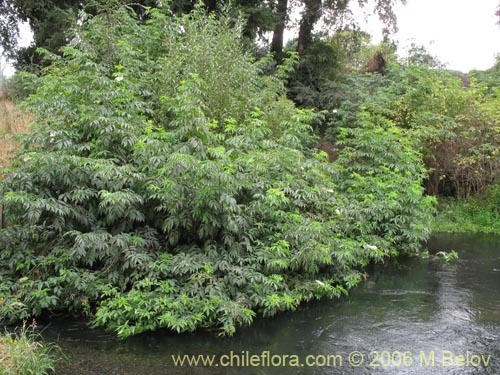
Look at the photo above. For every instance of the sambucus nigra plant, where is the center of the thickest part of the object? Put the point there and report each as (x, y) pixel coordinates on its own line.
(167, 183)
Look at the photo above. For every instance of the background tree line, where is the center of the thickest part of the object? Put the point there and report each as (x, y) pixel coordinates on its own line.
(52, 20)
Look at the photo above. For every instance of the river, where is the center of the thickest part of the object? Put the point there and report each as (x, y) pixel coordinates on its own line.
(412, 316)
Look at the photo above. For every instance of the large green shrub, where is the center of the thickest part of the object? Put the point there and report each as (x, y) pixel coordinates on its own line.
(455, 126)
(167, 183)
(381, 180)
(457, 129)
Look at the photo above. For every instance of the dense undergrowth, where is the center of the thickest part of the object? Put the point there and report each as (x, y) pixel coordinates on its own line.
(454, 125)
(168, 183)
(452, 119)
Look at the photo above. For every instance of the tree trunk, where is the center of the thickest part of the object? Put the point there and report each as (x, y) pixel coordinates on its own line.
(211, 5)
(312, 13)
(279, 29)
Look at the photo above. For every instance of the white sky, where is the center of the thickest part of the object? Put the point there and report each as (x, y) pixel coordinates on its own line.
(25, 39)
(463, 34)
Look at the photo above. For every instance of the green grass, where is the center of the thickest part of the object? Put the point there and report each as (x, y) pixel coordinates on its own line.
(476, 214)
(25, 353)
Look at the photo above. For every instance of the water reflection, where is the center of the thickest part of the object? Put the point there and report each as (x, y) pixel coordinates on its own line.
(412, 306)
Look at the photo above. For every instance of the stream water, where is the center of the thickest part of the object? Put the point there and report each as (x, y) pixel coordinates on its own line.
(409, 317)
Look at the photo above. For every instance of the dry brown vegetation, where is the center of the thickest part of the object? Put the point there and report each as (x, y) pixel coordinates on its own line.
(4, 354)
(12, 122)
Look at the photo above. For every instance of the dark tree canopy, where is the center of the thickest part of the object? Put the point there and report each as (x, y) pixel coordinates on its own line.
(51, 20)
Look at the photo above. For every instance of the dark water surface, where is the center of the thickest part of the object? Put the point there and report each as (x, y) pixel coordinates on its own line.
(410, 317)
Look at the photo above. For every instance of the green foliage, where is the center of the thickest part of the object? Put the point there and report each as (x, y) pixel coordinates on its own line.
(454, 127)
(447, 256)
(457, 130)
(20, 86)
(351, 44)
(52, 21)
(419, 56)
(320, 63)
(478, 213)
(25, 353)
(488, 79)
(336, 14)
(168, 184)
(381, 176)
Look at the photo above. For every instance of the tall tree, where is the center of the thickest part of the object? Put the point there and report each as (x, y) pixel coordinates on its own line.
(311, 14)
(281, 17)
(49, 20)
(330, 11)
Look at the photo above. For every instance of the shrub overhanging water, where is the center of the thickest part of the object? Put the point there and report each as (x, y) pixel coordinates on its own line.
(167, 183)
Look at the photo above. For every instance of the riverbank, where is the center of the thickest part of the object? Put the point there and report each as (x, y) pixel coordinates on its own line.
(25, 353)
(476, 214)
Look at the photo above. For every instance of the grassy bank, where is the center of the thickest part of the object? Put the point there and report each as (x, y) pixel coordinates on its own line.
(25, 353)
(476, 214)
